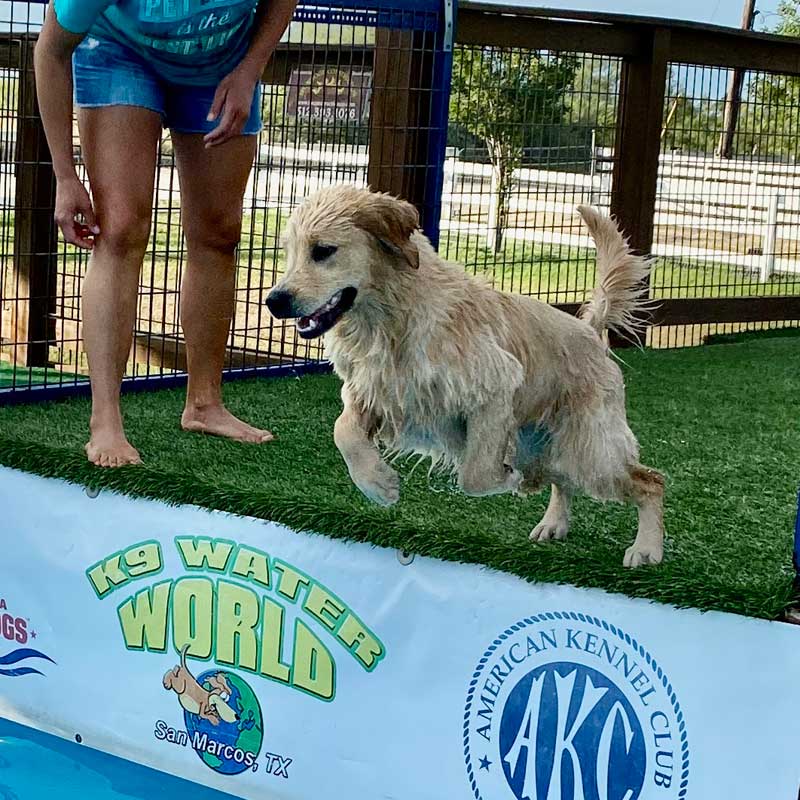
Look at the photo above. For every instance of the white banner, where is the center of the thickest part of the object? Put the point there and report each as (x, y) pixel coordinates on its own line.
(270, 664)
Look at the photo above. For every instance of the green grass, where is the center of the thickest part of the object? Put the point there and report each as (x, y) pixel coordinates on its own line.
(720, 421)
(566, 274)
(749, 336)
(33, 376)
(17, 376)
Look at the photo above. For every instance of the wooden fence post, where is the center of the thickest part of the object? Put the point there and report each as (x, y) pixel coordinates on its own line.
(400, 115)
(35, 236)
(643, 83)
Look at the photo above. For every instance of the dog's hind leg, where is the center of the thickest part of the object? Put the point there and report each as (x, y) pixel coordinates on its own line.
(647, 492)
(368, 471)
(483, 470)
(555, 522)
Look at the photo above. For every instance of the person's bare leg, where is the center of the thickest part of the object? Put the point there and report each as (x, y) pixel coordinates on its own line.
(213, 183)
(119, 147)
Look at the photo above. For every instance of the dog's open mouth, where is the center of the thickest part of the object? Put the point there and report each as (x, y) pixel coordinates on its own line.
(327, 315)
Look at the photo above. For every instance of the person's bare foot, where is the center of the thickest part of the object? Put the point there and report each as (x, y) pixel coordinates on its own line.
(108, 446)
(216, 420)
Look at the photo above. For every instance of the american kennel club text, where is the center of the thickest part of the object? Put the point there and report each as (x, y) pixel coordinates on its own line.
(564, 706)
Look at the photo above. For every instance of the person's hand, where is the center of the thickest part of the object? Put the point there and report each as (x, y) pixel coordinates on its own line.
(232, 102)
(74, 214)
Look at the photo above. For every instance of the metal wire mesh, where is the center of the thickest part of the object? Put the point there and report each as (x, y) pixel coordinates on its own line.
(727, 213)
(325, 104)
(531, 137)
(724, 227)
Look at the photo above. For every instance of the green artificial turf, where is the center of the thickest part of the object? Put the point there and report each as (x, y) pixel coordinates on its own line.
(749, 336)
(720, 421)
(21, 377)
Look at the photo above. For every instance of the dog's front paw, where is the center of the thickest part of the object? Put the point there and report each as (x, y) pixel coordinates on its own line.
(638, 555)
(549, 530)
(381, 485)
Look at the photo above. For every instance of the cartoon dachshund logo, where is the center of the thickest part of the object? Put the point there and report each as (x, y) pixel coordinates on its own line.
(209, 704)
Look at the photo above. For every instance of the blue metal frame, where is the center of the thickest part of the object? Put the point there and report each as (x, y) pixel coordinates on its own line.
(406, 19)
(796, 554)
(440, 116)
(390, 6)
(422, 15)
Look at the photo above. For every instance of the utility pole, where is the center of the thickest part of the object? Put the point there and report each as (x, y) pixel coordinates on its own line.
(670, 114)
(733, 98)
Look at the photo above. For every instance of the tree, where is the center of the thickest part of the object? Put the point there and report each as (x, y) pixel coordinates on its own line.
(509, 100)
(769, 122)
(597, 84)
(789, 14)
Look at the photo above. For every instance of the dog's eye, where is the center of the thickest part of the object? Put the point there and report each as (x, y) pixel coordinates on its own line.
(321, 252)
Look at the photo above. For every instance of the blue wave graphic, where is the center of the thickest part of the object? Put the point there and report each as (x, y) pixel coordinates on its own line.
(16, 656)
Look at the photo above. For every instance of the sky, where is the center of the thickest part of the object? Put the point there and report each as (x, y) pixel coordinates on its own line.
(718, 12)
(20, 15)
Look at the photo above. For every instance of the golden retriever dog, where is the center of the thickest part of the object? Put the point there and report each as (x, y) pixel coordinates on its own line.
(507, 391)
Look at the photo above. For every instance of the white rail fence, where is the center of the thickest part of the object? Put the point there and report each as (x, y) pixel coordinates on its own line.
(744, 214)
(740, 214)
(734, 213)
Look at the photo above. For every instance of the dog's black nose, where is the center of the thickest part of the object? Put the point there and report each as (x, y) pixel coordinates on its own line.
(280, 303)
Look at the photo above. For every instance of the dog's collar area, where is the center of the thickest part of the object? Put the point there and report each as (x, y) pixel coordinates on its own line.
(327, 315)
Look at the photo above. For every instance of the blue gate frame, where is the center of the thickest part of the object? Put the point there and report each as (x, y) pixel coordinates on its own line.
(796, 553)
(437, 17)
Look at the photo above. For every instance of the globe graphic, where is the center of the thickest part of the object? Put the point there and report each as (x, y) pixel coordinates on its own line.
(244, 735)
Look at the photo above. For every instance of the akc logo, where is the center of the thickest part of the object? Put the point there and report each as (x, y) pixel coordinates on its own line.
(565, 706)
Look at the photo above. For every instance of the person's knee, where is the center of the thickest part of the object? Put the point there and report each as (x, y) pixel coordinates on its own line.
(125, 230)
(218, 231)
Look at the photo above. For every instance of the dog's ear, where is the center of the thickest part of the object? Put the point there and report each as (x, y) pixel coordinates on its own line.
(391, 222)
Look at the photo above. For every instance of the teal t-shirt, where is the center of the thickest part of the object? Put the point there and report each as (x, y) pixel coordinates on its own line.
(185, 41)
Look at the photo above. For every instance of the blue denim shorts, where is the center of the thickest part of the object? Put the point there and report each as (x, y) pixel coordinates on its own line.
(107, 73)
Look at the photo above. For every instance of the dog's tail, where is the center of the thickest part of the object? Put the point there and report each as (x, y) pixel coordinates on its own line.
(619, 302)
(183, 657)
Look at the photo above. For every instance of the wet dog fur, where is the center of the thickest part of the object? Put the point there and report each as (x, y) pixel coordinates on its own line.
(437, 362)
